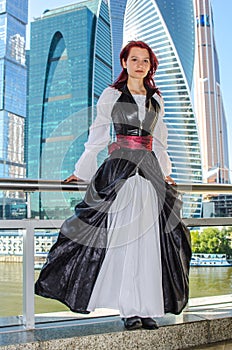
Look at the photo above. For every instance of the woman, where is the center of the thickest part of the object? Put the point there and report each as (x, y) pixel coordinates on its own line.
(126, 247)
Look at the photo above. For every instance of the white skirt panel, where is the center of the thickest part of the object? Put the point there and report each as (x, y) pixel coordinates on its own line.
(130, 279)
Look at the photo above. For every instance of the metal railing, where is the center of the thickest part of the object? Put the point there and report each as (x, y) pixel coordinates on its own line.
(29, 225)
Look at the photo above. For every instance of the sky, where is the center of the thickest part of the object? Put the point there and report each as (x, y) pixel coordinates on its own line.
(222, 10)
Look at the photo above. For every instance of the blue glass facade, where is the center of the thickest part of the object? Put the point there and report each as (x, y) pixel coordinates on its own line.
(16, 8)
(13, 20)
(70, 65)
(180, 21)
(117, 11)
(13, 85)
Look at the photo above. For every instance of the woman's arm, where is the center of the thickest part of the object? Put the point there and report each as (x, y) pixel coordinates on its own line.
(99, 137)
(160, 137)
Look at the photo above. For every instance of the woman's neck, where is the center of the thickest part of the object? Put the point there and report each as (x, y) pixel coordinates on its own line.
(136, 87)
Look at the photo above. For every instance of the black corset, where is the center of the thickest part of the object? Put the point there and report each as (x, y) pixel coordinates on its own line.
(125, 115)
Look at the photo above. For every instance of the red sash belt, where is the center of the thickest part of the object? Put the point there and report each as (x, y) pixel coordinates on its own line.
(132, 142)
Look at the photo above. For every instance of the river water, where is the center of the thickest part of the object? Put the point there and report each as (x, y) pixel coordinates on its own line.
(204, 281)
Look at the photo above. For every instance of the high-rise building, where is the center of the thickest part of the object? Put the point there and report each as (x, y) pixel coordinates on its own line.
(13, 84)
(208, 99)
(117, 12)
(169, 28)
(70, 65)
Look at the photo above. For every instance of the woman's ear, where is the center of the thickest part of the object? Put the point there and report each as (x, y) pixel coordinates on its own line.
(123, 63)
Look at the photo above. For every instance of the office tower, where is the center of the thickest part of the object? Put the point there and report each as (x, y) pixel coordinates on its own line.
(208, 99)
(169, 28)
(13, 78)
(70, 65)
(117, 12)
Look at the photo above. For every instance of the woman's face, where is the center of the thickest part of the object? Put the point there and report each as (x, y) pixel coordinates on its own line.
(138, 63)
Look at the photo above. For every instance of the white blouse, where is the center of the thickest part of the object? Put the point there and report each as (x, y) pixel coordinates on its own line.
(99, 135)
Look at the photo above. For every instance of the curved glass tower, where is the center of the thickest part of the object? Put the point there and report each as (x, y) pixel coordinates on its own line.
(169, 30)
(70, 65)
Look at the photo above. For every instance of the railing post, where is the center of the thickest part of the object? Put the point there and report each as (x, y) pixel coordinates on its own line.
(28, 195)
(28, 277)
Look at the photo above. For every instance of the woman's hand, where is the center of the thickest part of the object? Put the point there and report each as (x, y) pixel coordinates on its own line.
(72, 178)
(170, 180)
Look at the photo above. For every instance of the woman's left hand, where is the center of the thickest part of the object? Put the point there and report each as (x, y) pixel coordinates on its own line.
(170, 180)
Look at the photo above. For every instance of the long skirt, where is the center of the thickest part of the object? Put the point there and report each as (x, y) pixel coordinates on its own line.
(125, 247)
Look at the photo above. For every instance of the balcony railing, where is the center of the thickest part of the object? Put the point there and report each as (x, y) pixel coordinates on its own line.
(29, 225)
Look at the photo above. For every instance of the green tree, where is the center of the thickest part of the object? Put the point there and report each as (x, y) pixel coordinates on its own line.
(196, 241)
(212, 241)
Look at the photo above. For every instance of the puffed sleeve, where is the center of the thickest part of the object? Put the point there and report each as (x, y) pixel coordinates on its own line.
(160, 137)
(99, 136)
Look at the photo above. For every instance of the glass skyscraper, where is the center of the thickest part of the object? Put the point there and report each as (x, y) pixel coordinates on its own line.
(117, 12)
(13, 84)
(208, 99)
(169, 28)
(70, 65)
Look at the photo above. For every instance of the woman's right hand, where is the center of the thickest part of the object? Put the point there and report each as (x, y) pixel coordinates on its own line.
(72, 178)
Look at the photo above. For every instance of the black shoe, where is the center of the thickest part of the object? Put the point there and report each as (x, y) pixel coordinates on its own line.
(132, 323)
(149, 323)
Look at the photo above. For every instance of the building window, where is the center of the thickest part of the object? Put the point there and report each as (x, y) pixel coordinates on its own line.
(203, 21)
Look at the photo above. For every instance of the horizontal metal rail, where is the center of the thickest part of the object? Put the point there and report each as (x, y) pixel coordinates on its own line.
(218, 221)
(27, 185)
(30, 185)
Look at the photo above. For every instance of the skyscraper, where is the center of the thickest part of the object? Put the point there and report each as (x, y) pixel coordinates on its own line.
(117, 12)
(70, 65)
(208, 99)
(169, 28)
(13, 79)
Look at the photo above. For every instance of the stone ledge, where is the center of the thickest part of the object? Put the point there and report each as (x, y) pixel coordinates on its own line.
(195, 326)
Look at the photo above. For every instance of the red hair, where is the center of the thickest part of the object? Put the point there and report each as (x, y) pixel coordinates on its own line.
(123, 76)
